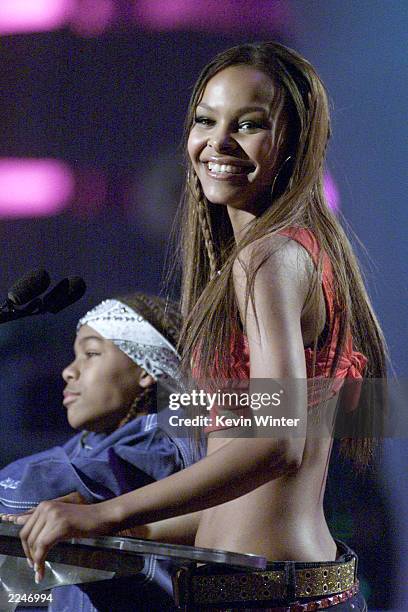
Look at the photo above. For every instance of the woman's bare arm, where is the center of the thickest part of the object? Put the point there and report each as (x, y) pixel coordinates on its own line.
(176, 530)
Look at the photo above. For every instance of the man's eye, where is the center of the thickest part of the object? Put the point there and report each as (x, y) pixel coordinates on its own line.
(91, 353)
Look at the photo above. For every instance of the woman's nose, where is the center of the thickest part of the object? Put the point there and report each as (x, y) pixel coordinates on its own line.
(222, 140)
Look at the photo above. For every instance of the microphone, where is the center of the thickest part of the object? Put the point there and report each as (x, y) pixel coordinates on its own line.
(29, 287)
(65, 293)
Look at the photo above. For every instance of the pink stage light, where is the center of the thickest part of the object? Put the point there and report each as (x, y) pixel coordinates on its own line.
(212, 15)
(22, 16)
(34, 187)
(331, 192)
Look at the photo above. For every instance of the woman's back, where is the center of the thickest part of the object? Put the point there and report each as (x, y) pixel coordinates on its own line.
(281, 519)
(284, 518)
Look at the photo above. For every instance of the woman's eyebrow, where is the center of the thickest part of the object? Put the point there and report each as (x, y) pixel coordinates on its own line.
(239, 111)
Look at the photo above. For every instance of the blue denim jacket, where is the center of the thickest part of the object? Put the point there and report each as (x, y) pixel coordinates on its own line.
(102, 466)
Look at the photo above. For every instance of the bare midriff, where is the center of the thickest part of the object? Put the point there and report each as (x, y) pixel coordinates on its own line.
(282, 519)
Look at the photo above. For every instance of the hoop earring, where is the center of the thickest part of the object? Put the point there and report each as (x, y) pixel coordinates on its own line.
(278, 173)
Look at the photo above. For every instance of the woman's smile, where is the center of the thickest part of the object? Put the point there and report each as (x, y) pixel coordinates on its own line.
(227, 169)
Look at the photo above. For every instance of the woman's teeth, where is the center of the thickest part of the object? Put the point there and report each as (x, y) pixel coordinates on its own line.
(226, 168)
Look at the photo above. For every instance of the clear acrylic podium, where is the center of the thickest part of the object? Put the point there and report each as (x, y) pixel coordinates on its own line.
(101, 558)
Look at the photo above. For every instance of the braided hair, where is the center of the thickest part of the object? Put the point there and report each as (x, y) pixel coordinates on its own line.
(164, 316)
(205, 224)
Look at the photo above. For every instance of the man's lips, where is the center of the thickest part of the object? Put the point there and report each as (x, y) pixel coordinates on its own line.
(69, 396)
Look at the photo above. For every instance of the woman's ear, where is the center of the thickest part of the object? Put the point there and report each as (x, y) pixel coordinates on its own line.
(145, 379)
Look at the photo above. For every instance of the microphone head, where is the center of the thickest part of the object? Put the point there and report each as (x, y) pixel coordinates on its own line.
(29, 287)
(68, 291)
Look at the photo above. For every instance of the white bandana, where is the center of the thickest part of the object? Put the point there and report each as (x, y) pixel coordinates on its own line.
(136, 337)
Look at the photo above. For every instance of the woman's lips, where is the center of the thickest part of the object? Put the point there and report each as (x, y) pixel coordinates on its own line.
(227, 168)
(227, 172)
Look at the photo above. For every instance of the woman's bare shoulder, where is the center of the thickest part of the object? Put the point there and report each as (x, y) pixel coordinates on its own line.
(275, 257)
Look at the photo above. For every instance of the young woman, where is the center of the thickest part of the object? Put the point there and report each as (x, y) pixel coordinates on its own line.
(271, 290)
(123, 348)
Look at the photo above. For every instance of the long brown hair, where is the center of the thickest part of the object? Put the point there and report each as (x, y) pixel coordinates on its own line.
(208, 249)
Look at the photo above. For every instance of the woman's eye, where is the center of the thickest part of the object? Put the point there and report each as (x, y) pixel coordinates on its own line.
(91, 353)
(204, 121)
(246, 126)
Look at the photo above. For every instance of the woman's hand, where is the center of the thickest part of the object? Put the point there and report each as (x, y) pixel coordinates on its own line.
(20, 519)
(72, 498)
(53, 521)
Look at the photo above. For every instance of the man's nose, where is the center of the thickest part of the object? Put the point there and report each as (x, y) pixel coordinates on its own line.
(70, 372)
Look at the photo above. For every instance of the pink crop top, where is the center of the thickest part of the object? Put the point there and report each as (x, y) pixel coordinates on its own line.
(351, 364)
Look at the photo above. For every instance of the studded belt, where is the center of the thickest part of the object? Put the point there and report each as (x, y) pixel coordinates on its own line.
(206, 586)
